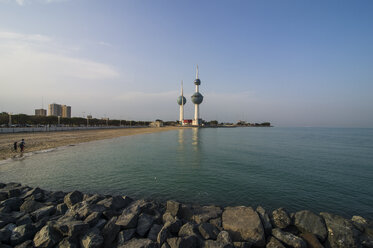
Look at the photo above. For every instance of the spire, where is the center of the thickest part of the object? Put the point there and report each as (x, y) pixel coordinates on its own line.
(197, 73)
(181, 87)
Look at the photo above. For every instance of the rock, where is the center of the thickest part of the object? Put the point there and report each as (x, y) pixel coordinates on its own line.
(306, 221)
(125, 235)
(92, 239)
(139, 243)
(71, 228)
(43, 212)
(173, 208)
(57, 197)
(67, 243)
(168, 217)
(128, 220)
(242, 244)
(163, 235)
(359, 222)
(26, 219)
(22, 233)
(26, 244)
(3, 195)
(288, 238)
(266, 221)
(61, 208)
(32, 192)
(110, 231)
(174, 226)
(216, 244)
(199, 214)
(216, 222)
(188, 229)
(144, 223)
(2, 223)
(108, 214)
(14, 193)
(81, 210)
(165, 245)
(341, 232)
(9, 227)
(93, 218)
(47, 237)
(29, 206)
(208, 231)
(274, 243)
(153, 233)
(311, 240)
(12, 204)
(73, 198)
(280, 218)
(100, 224)
(115, 203)
(183, 242)
(5, 235)
(94, 199)
(243, 224)
(224, 237)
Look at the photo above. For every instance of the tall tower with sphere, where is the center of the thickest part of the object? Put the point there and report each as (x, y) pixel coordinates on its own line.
(181, 101)
(197, 99)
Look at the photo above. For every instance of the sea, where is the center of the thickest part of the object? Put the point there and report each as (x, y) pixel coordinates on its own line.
(319, 169)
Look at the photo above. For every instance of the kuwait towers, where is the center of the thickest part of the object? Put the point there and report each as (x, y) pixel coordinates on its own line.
(197, 99)
(181, 101)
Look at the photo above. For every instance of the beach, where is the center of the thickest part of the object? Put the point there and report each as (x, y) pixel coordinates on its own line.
(46, 140)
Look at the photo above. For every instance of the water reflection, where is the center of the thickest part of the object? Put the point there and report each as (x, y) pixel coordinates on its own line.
(195, 138)
(181, 138)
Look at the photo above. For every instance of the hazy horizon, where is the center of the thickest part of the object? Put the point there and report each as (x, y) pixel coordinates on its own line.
(292, 63)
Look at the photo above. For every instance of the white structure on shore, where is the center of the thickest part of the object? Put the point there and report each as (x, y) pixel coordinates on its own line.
(181, 101)
(197, 99)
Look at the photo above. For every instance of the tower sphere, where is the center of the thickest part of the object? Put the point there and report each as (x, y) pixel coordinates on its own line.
(197, 98)
(181, 100)
(197, 82)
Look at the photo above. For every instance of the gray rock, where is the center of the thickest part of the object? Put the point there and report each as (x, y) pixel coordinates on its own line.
(68, 243)
(217, 222)
(93, 218)
(215, 244)
(224, 237)
(280, 218)
(208, 231)
(115, 203)
(199, 214)
(311, 240)
(47, 237)
(341, 232)
(153, 233)
(266, 221)
(12, 204)
(22, 233)
(94, 199)
(3, 195)
(110, 231)
(26, 219)
(144, 223)
(5, 235)
(174, 226)
(29, 206)
(165, 245)
(2, 223)
(242, 244)
(163, 235)
(14, 193)
(43, 212)
(92, 239)
(139, 243)
(173, 208)
(57, 197)
(81, 210)
(26, 244)
(125, 235)
(274, 243)
(168, 217)
(128, 220)
(243, 224)
(61, 208)
(73, 198)
(306, 221)
(188, 229)
(100, 224)
(288, 238)
(183, 242)
(359, 222)
(71, 228)
(33, 192)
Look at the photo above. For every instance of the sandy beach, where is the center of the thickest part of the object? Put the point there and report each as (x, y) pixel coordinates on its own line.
(45, 140)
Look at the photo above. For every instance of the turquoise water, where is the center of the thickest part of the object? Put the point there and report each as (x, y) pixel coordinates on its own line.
(321, 169)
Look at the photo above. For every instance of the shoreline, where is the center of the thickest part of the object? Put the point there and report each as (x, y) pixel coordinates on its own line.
(40, 141)
(33, 217)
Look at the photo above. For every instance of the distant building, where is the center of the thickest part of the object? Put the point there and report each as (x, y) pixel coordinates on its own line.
(66, 111)
(40, 112)
(157, 123)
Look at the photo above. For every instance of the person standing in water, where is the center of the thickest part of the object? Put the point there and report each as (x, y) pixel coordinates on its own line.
(22, 145)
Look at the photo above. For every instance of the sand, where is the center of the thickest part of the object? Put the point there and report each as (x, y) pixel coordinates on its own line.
(45, 140)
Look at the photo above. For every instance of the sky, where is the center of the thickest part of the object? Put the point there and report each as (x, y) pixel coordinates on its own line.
(289, 62)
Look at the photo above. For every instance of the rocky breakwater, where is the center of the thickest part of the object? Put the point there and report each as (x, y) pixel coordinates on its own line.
(32, 217)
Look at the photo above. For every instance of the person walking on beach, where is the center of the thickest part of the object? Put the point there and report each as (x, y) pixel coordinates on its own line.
(15, 146)
(22, 145)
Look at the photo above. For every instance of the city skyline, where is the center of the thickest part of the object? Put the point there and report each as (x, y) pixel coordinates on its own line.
(287, 62)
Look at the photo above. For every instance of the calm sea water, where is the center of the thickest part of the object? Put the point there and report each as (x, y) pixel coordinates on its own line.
(321, 169)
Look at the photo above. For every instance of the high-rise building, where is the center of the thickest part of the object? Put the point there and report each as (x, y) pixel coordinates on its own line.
(197, 99)
(41, 112)
(66, 111)
(181, 101)
(54, 109)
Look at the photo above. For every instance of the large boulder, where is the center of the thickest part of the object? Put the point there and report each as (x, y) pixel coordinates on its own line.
(22, 233)
(163, 235)
(29, 206)
(280, 218)
(264, 217)
(289, 238)
(68, 243)
(43, 212)
(47, 237)
(183, 242)
(208, 231)
(73, 198)
(341, 232)
(110, 231)
(188, 229)
(81, 210)
(311, 240)
(173, 208)
(93, 218)
(128, 219)
(115, 202)
(243, 224)
(274, 243)
(11, 204)
(153, 232)
(71, 228)
(92, 239)
(125, 235)
(198, 213)
(144, 223)
(306, 221)
(139, 243)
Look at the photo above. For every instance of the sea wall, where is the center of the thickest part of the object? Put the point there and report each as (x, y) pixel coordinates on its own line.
(32, 217)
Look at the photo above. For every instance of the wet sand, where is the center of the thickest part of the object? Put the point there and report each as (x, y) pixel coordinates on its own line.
(45, 140)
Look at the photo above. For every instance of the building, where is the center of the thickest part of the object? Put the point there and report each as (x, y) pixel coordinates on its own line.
(66, 111)
(181, 101)
(197, 99)
(40, 112)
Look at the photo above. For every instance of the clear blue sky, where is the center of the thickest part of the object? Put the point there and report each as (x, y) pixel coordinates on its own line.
(293, 63)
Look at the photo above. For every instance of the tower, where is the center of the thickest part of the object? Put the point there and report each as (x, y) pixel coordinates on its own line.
(181, 101)
(197, 99)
